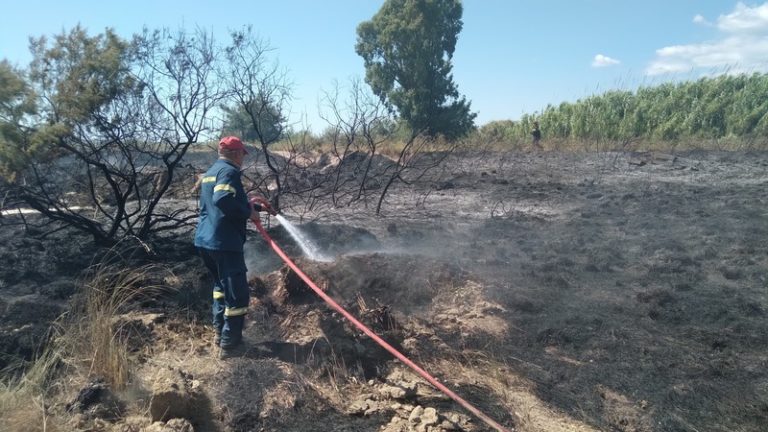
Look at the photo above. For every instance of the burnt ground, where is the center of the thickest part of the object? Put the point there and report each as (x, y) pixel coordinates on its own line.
(555, 291)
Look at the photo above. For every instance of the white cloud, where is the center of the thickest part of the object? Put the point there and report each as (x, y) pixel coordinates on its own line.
(745, 19)
(698, 19)
(603, 61)
(742, 46)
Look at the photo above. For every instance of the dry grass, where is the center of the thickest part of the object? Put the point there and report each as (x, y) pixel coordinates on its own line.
(29, 414)
(88, 343)
(93, 337)
(23, 403)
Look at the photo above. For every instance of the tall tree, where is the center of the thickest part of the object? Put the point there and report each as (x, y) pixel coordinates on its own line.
(408, 47)
(114, 119)
(16, 105)
(240, 121)
(259, 91)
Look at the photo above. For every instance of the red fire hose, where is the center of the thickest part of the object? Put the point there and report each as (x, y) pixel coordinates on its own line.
(432, 380)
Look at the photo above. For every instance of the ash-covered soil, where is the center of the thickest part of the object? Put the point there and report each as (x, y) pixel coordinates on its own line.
(554, 291)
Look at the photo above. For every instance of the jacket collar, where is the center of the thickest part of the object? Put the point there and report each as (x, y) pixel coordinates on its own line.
(229, 162)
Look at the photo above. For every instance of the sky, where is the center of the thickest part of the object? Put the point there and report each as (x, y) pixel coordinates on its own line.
(513, 56)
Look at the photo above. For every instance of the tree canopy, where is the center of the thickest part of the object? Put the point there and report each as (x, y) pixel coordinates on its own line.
(408, 48)
(253, 123)
(104, 122)
(16, 103)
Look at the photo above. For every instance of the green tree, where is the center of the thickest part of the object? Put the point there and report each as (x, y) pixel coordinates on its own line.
(16, 104)
(407, 48)
(240, 121)
(114, 120)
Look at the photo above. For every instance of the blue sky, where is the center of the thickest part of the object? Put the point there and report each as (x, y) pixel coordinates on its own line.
(513, 56)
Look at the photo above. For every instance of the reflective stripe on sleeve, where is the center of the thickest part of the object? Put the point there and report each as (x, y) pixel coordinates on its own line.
(231, 312)
(218, 295)
(224, 187)
(209, 179)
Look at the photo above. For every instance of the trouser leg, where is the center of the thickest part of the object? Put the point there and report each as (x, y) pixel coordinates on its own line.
(217, 310)
(231, 294)
(236, 297)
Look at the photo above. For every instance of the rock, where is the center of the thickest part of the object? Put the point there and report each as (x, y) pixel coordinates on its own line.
(395, 392)
(448, 425)
(358, 407)
(429, 417)
(424, 420)
(132, 424)
(174, 395)
(427, 392)
(415, 417)
(397, 424)
(173, 425)
(373, 408)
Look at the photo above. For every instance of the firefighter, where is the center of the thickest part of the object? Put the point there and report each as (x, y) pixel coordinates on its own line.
(536, 134)
(224, 211)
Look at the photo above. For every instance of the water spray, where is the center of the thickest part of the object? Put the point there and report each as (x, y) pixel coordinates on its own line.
(310, 249)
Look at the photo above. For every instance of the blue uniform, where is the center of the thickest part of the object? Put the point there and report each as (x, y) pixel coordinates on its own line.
(220, 235)
(224, 209)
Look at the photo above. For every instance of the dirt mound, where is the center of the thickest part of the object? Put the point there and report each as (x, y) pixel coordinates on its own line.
(306, 330)
(356, 163)
(387, 293)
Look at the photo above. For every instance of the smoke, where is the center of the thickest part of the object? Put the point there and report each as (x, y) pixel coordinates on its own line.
(259, 260)
(329, 242)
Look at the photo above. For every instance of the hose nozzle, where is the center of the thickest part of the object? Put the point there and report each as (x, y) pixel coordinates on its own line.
(263, 203)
